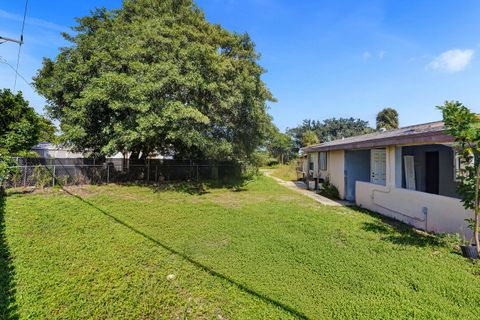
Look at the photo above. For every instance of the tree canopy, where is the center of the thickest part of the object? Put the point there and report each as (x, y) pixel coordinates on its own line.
(20, 126)
(20, 129)
(279, 145)
(309, 138)
(156, 76)
(464, 126)
(328, 130)
(388, 119)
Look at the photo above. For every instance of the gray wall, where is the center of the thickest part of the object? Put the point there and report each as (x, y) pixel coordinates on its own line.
(447, 175)
(357, 168)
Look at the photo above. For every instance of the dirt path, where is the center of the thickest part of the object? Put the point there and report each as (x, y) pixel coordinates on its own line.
(301, 187)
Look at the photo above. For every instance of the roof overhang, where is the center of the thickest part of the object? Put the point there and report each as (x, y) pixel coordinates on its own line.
(419, 138)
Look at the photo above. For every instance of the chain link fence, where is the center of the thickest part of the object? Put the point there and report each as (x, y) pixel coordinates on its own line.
(39, 172)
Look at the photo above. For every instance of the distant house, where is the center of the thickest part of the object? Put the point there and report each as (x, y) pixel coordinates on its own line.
(49, 150)
(408, 174)
(52, 151)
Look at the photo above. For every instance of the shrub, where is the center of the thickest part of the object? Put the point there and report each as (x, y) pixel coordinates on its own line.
(7, 169)
(328, 190)
(250, 172)
(41, 177)
(272, 162)
(259, 158)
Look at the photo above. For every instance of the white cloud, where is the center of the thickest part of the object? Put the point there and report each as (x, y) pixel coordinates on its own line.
(366, 55)
(381, 54)
(32, 21)
(452, 60)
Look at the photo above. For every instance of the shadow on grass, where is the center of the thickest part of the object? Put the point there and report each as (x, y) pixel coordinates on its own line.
(194, 187)
(8, 308)
(197, 264)
(401, 233)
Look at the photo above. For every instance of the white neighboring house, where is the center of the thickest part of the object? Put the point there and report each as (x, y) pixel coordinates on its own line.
(408, 174)
(49, 150)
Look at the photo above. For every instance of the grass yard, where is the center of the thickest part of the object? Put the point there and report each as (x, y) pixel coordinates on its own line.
(262, 252)
(287, 172)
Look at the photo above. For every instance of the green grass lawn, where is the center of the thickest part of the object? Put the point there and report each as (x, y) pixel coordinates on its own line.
(262, 252)
(287, 172)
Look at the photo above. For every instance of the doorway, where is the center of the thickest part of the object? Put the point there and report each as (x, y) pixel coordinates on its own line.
(378, 166)
(432, 172)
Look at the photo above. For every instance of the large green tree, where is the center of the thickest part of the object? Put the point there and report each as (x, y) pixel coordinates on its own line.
(20, 129)
(279, 145)
(388, 119)
(20, 126)
(156, 76)
(329, 129)
(464, 126)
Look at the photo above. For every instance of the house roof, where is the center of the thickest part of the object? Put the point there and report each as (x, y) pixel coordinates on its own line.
(433, 132)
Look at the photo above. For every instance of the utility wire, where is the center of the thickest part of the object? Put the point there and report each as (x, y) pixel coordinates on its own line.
(20, 45)
(2, 60)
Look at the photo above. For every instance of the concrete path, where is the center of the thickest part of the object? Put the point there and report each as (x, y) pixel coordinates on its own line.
(301, 187)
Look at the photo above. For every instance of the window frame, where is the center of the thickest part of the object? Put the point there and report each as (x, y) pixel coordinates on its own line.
(323, 161)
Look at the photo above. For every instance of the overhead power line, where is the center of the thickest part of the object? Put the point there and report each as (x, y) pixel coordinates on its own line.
(4, 61)
(20, 44)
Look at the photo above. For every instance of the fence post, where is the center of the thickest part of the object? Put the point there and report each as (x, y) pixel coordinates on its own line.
(108, 174)
(156, 173)
(53, 180)
(25, 176)
(197, 173)
(148, 171)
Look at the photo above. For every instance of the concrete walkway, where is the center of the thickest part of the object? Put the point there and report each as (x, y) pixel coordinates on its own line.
(301, 187)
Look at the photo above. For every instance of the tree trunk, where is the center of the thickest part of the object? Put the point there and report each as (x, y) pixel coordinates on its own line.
(477, 205)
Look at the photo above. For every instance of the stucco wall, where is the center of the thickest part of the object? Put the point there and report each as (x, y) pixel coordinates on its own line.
(336, 170)
(443, 214)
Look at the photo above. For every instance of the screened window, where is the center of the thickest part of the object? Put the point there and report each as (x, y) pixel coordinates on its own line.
(323, 161)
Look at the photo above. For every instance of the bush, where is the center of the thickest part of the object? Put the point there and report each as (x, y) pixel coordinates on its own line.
(41, 177)
(329, 190)
(250, 172)
(272, 162)
(7, 168)
(259, 158)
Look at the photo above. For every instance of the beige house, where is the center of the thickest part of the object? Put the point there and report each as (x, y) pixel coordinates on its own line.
(408, 174)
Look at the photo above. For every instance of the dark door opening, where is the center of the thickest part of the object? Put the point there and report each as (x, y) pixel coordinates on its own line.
(432, 172)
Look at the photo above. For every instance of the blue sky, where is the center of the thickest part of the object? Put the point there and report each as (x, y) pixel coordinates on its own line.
(324, 58)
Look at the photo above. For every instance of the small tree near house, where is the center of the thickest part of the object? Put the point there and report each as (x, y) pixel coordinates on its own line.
(464, 126)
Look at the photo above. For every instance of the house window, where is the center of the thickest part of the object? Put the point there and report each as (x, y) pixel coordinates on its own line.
(459, 166)
(323, 161)
(310, 165)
